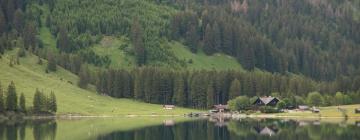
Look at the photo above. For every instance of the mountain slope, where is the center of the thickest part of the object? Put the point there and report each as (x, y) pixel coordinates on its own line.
(71, 100)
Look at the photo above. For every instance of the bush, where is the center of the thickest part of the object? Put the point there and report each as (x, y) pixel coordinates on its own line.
(268, 109)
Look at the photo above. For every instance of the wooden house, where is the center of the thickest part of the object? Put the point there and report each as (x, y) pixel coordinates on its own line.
(266, 101)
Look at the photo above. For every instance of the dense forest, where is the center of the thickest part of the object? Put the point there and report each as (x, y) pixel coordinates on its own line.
(289, 47)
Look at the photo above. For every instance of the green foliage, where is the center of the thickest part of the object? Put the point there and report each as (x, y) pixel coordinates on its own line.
(314, 99)
(235, 89)
(52, 103)
(51, 66)
(11, 98)
(239, 103)
(2, 101)
(39, 102)
(268, 109)
(22, 103)
(281, 105)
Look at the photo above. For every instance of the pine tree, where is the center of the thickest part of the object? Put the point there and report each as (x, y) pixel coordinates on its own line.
(22, 103)
(179, 91)
(210, 93)
(63, 41)
(208, 41)
(19, 21)
(2, 104)
(138, 42)
(2, 22)
(37, 101)
(52, 103)
(11, 98)
(84, 77)
(235, 89)
(192, 38)
(30, 36)
(51, 62)
(217, 37)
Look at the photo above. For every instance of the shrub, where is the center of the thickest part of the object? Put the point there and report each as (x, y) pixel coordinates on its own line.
(268, 109)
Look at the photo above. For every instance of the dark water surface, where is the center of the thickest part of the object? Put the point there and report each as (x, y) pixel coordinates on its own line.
(244, 129)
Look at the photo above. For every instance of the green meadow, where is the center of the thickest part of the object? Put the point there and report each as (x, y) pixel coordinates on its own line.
(29, 76)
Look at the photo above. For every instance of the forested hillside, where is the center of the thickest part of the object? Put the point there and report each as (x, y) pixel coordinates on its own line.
(193, 53)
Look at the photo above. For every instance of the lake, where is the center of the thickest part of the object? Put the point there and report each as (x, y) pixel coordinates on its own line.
(179, 128)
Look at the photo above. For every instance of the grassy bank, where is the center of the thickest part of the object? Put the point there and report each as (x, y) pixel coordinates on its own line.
(326, 112)
(71, 100)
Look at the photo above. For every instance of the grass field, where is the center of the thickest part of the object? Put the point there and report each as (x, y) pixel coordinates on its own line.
(71, 100)
(110, 46)
(331, 111)
(202, 61)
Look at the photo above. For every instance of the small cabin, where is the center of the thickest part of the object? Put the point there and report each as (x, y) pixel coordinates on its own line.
(169, 107)
(266, 101)
(220, 108)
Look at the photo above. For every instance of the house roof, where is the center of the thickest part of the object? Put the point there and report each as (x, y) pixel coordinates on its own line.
(267, 100)
(169, 106)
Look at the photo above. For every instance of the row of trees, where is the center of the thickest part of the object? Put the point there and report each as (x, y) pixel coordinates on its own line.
(41, 104)
(242, 103)
(202, 89)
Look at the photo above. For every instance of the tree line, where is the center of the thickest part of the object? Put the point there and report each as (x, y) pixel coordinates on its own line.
(10, 102)
(203, 89)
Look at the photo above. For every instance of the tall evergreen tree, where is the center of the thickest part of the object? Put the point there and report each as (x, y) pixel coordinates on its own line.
(51, 62)
(39, 102)
(2, 22)
(210, 93)
(19, 21)
(138, 42)
(179, 97)
(84, 77)
(235, 89)
(11, 98)
(63, 41)
(30, 35)
(209, 47)
(22, 105)
(52, 103)
(2, 102)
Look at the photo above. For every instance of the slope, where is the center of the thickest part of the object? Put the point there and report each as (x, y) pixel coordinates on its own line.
(71, 100)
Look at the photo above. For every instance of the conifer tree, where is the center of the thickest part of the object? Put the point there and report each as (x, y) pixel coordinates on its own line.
(138, 42)
(210, 96)
(19, 21)
(84, 77)
(39, 102)
(63, 41)
(51, 62)
(22, 103)
(2, 21)
(11, 98)
(30, 36)
(2, 104)
(179, 91)
(52, 103)
(235, 89)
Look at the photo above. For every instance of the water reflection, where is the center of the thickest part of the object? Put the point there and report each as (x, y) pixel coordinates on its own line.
(205, 129)
(44, 129)
(241, 129)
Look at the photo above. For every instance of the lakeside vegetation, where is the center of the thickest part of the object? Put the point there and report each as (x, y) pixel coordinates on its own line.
(158, 52)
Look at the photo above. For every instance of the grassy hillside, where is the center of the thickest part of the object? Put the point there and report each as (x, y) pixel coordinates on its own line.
(118, 51)
(29, 75)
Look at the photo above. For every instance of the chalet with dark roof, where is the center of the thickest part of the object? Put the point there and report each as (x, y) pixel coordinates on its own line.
(266, 101)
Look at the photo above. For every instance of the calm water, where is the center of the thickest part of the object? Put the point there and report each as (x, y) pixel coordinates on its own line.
(113, 129)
